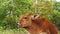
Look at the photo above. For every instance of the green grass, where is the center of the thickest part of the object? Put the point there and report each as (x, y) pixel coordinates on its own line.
(14, 31)
(58, 32)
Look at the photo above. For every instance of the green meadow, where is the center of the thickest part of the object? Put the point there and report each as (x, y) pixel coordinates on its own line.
(11, 11)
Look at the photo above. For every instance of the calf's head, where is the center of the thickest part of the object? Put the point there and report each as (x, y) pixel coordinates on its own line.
(26, 20)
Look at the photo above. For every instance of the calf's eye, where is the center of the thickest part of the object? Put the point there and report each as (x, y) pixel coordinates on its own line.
(25, 18)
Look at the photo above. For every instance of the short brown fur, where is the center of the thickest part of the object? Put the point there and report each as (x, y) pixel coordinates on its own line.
(38, 25)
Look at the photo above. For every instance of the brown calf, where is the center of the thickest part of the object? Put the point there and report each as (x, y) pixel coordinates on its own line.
(35, 25)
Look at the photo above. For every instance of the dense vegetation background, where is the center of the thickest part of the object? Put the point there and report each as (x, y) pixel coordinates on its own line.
(11, 10)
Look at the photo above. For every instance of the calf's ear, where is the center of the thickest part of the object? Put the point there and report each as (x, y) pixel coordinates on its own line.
(33, 17)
